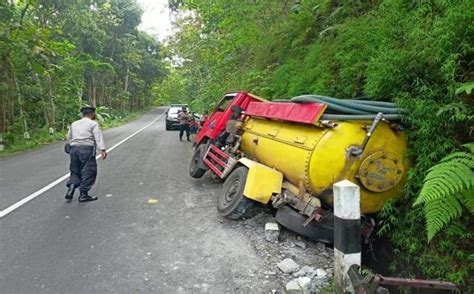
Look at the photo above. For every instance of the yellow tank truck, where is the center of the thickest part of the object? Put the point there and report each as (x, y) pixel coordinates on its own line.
(288, 154)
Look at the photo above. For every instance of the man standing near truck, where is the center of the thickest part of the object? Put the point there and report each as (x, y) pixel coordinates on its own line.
(184, 119)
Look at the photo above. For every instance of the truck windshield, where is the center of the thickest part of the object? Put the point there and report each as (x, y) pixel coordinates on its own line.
(225, 102)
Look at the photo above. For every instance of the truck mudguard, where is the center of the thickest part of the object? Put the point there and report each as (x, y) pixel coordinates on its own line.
(262, 181)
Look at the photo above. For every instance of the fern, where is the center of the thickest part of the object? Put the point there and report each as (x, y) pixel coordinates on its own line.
(447, 188)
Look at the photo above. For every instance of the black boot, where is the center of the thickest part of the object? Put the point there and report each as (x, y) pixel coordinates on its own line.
(70, 192)
(84, 197)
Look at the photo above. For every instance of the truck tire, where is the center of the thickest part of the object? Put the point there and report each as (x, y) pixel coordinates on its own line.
(168, 127)
(196, 161)
(322, 231)
(232, 203)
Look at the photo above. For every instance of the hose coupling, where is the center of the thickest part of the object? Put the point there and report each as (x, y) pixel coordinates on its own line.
(328, 124)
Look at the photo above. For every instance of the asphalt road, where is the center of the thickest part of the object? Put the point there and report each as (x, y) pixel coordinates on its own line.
(121, 243)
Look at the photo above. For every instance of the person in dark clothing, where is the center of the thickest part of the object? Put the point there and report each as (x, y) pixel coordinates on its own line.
(84, 136)
(184, 118)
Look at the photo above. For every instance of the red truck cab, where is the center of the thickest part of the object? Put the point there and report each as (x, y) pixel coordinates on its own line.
(216, 123)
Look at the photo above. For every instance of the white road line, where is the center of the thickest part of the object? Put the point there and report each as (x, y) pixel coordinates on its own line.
(33, 195)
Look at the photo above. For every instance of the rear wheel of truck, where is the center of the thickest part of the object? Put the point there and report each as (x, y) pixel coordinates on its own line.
(232, 203)
(196, 161)
(322, 231)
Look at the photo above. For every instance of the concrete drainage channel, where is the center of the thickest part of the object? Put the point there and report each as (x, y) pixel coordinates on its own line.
(294, 264)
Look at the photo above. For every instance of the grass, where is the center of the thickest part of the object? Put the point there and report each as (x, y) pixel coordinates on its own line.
(15, 143)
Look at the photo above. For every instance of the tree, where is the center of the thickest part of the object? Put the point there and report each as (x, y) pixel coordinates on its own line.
(59, 55)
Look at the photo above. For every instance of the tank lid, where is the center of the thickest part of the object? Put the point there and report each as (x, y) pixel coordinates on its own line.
(381, 171)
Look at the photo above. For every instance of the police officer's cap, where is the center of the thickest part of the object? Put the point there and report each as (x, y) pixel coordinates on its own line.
(87, 110)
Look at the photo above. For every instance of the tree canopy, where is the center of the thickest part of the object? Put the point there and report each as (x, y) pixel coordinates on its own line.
(59, 55)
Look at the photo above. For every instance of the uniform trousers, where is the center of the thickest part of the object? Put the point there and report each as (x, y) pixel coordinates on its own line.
(183, 128)
(83, 167)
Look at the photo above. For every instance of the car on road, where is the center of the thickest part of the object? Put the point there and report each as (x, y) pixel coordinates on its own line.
(172, 116)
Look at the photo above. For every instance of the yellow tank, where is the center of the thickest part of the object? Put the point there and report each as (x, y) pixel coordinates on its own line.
(317, 157)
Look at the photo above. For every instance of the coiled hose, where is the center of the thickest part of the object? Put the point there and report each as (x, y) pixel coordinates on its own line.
(346, 109)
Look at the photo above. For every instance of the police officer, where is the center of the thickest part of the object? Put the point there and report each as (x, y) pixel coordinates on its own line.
(184, 118)
(84, 136)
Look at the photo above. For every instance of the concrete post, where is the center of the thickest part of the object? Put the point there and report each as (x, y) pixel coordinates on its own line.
(347, 240)
(2, 146)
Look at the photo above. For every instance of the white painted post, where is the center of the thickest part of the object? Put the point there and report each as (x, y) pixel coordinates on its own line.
(2, 146)
(347, 248)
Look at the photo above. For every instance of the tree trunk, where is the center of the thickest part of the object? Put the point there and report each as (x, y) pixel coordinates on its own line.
(43, 104)
(94, 95)
(45, 111)
(20, 102)
(114, 45)
(52, 121)
(64, 121)
(8, 104)
(80, 91)
(125, 87)
(3, 97)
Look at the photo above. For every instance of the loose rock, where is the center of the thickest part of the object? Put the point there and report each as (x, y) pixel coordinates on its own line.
(293, 287)
(299, 273)
(288, 266)
(272, 232)
(301, 244)
(305, 283)
(321, 273)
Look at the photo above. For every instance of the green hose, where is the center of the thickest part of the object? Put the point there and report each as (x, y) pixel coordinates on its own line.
(376, 103)
(347, 109)
(368, 102)
(352, 104)
(333, 106)
(357, 117)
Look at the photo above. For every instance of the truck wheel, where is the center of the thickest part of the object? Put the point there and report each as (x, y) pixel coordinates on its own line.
(168, 127)
(232, 203)
(194, 170)
(291, 219)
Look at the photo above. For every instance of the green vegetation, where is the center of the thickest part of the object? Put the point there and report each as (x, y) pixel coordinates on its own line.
(41, 136)
(418, 54)
(59, 55)
(448, 187)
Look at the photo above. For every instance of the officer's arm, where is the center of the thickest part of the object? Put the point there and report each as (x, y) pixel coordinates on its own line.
(99, 140)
